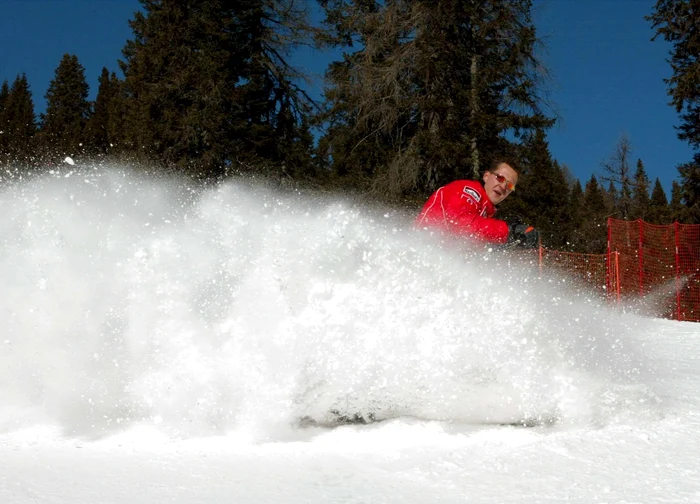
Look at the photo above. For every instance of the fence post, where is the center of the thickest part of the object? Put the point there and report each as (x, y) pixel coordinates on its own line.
(640, 255)
(617, 276)
(678, 270)
(608, 266)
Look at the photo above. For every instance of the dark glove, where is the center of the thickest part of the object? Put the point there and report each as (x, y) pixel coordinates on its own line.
(523, 235)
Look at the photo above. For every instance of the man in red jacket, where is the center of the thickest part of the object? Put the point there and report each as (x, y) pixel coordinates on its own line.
(466, 208)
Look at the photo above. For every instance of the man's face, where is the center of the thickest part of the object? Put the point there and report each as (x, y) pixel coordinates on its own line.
(496, 189)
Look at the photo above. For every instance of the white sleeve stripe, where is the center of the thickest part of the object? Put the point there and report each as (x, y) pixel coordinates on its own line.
(425, 212)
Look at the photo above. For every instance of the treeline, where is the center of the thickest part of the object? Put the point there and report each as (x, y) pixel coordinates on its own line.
(421, 93)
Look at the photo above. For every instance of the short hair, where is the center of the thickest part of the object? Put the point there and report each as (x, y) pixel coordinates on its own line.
(500, 160)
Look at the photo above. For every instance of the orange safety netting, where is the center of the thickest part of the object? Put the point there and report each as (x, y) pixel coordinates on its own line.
(659, 263)
(589, 270)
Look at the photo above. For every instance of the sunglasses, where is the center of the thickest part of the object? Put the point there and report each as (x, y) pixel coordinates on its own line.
(500, 178)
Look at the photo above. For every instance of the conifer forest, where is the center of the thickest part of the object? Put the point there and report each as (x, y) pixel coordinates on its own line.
(421, 93)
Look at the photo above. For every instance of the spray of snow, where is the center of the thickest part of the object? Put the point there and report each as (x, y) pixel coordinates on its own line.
(130, 300)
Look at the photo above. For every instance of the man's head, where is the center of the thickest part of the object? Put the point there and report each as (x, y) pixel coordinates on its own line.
(499, 181)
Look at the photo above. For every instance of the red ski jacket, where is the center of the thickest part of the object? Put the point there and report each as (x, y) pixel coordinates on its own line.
(463, 208)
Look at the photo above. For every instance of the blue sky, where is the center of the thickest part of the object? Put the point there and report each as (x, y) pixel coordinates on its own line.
(606, 74)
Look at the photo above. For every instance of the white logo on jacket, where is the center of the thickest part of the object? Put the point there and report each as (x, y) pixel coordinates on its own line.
(473, 193)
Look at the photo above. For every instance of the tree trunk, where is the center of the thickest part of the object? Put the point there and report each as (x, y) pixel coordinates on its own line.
(475, 106)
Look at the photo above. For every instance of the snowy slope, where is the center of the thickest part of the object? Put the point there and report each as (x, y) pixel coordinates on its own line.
(167, 343)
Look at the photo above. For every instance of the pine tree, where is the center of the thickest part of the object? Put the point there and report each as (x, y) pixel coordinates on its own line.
(677, 208)
(20, 122)
(594, 217)
(4, 93)
(276, 110)
(640, 193)
(207, 84)
(690, 190)
(116, 115)
(677, 22)
(180, 72)
(4, 136)
(67, 110)
(576, 241)
(97, 129)
(428, 91)
(659, 211)
(542, 198)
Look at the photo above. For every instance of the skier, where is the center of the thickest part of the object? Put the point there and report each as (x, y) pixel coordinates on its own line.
(466, 208)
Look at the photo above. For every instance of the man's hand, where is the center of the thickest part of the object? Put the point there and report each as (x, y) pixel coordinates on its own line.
(523, 235)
